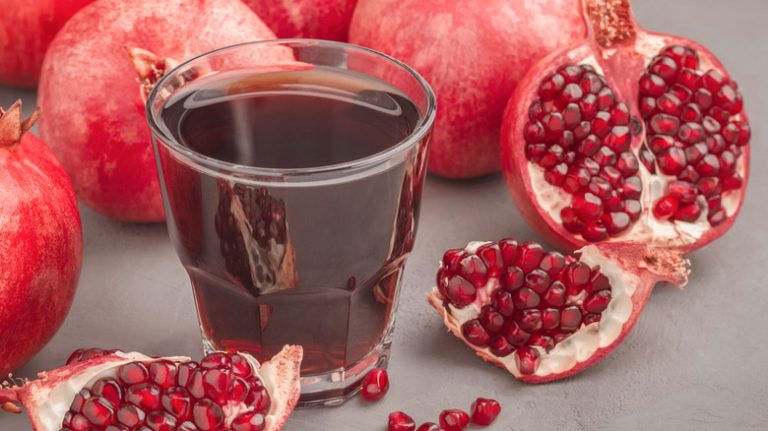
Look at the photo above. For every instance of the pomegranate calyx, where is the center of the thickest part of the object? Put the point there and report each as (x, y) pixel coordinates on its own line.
(610, 21)
(12, 127)
(150, 67)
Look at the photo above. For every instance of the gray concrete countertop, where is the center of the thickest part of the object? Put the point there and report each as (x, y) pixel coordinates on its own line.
(697, 359)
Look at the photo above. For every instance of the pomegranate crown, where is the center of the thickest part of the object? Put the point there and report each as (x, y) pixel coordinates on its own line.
(11, 125)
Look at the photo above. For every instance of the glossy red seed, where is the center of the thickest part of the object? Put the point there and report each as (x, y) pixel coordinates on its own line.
(616, 222)
(491, 319)
(551, 86)
(594, 231)
(537, 280)
(587, 206)
(688, 213)
(98, 411)
(177, 402)
(555, 295)
(709, 186)
(529, 256)
(428, 426)
(108, 389)
(207, 415)
(515, 334)
(500, 347)
(577, 274)
(250, 421)
(503, 303)
(529, 320)
(512, 279)
(527, 359)
(473, 269)
(633, 208)
(683, 191)
(665, 207)
(665, 68)
(525, 298)
(453, 420)
(129, 415)
(571, 222)
(484, 411)
(672, 161)
(552, 263)
(491, 256)
(508, 249)
(161, 421)
(146, 396)
(588, 106)
(375, 384)
(544, 341)
(133, 373)
(664, 124)
(651, 85)
(598, 301)
(550, 318)
(460, 292)
(399, 421)
(163, 373)
(474, 332)
(570, 318)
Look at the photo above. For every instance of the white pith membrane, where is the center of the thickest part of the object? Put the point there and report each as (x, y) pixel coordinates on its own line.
(580, 345)
(279, 259)
(647, 228)
(279, 375)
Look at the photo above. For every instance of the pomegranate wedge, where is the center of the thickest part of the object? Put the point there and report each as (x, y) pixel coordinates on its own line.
(542, 315)
(119, 391)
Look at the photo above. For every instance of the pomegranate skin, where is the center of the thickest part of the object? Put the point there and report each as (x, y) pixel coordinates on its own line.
(94, 114)
(623, 61)
(41, 244)
(32, 26)
(473, 56)
(317, 19)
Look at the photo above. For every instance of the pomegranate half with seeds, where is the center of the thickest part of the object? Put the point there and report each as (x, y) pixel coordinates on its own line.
(542, 315)
(629, 136)
(118, 391)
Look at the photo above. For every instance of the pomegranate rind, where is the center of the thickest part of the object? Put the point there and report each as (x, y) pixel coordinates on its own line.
(48, 398)
(622, 67)
(632, 269)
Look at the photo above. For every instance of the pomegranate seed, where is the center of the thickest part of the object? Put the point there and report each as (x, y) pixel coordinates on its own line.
(473, 269)
(598, 301)
(454, 420)
(570, 318)
(702, 98)
(632, 188)
(663, 124)
(672, 161)
(500, 346)
(688, 78)
(665, 68)
(133, 373)
(529, 256)
(605, 98)
(525, 298)
(474, 332)
(428, 426)
(177, 402)
(216, 384)
(146, 396)
(99, 411)
(161, 421)
(691, 133)
(633, 209)
(550, 318)
(163, 374)
(129, 415)
(731, 183)
(250, 421)
(683, 191)
(184, 373)
(588, 206)
(376, 384)
(527, 359)
(537, 280)
(555, 295)
(616, 222)
(590, 83)
(514, 334)
(460, 292)
(665, 207)
(647, 159)
(79, 400)
(571, 93)
(651, 85)
(399, 421)
(552, 263)
(588, 106)
(484, 411)
(491, 319)
(512, 279)
(688, 213)
(708, 166)
(207, 415)
(709, 186)
(570, 72)
(491, 256)
(530, 319)
(80, 423)
(503, 303)
(508, 249)
(647, 106)
(594, 232)
(577, 274)
(717, 218)
(571, 222)
(551, 86)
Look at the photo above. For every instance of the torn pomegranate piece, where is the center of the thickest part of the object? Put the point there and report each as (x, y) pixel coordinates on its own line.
(542, 315)
(255, 243)
(630, 136)
(121, 391)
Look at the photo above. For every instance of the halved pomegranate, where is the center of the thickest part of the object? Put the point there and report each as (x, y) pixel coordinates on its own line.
(542, 315)
(118, 391)
(629, 136)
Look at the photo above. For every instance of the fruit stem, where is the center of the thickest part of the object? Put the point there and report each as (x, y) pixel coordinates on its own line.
(12, 127)
(610, 22)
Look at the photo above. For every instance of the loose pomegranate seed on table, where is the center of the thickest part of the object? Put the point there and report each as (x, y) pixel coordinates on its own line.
(484, 411)
(375, 384)
(399, 421)
(453, 420)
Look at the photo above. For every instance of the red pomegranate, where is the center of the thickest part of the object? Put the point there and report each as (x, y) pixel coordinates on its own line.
(118, 391)
(627, 136)
(94, 111)
(41, 241)
(317, 19)
(473, 55)
(542, 315)
(29, 27)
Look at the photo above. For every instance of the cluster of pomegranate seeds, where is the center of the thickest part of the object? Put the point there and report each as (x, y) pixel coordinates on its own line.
(580, 135)
(484, 412)
(375, 384)
(165, 396)
(692, 132)
(543, 297)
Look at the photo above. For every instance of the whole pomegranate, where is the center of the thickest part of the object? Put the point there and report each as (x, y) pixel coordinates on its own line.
(317, 19)
(542, 315)
(28, 28)
(94, 105)
(628, 136)
(473, 54)
(40, 241)
(115, 391)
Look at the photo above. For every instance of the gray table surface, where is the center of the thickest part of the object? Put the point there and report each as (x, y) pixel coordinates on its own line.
(697, 359)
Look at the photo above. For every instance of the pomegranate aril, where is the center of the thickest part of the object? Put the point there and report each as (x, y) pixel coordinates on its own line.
(544, 341)
(688, 78)
(571, 221)
(474, 332)
(376, 384)
(491, 256)
(399, 421)
(682, 56)
(515, 334)
(665, 207)
(570, 318)
(616, 222)
(590, 83)
(163, 374)
(207, 415)
(250, 421)
(484, 411)
(709, 186)
(177, 402)
(529, 256)
(513, 278)
(130, 415)
(688, 213)
(552, 263)
(651, 85)
(633, 208)
(594, 231)
(647, 106)
(460, 292)
(472, 268)
(588, 206)
(500, 346)
(665, 68)
(537, 280)
(453, 420)
(98, 411)
(683, 191)
(79, 400)
(428, 426)
(555, 295)
(529, 319)
(508, 249)
(732, 183)
(240, 366)
(133, 373)
(708, 166)
(160, 421)
(598, 301)
(491, 319)
(632, 188)
(588, 107)
(672, 161)
(551, 86)
(80, 423)
(503, 303)
(664, 124)
(712, 80)
(570, 72)
(527, 359)
(146, 396)
(550, 318)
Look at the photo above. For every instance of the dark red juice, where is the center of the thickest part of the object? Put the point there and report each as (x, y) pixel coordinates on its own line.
(272, 263)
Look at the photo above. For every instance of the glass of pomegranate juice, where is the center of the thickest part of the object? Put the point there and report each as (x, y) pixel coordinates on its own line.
(292, 173)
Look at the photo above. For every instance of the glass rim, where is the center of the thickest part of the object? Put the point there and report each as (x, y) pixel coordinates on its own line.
(351, 167)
